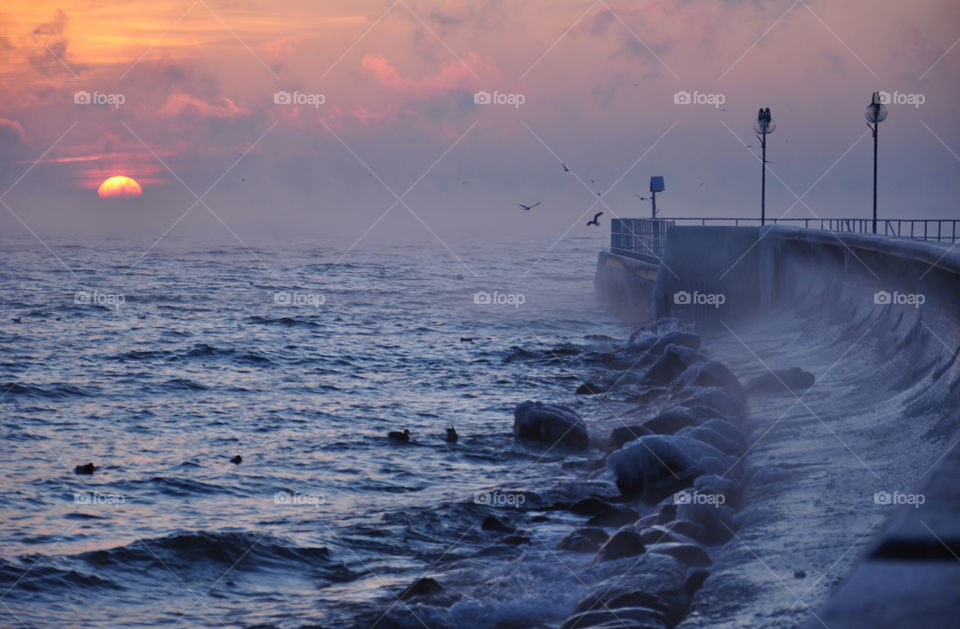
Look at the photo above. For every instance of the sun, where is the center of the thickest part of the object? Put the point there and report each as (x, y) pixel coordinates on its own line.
(119, 186)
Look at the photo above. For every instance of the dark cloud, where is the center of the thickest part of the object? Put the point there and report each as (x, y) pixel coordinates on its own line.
(47, 50)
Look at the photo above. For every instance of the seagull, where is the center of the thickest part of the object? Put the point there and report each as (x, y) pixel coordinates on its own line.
(529, 207)
(565, 169)
(642, 198)
(595, 221)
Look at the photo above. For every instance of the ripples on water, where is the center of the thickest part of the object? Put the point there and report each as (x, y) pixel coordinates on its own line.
(200, 364)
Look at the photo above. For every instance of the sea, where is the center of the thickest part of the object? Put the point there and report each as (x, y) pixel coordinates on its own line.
(160, 364)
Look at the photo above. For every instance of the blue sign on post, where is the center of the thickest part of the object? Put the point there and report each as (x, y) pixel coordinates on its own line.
(656, 185)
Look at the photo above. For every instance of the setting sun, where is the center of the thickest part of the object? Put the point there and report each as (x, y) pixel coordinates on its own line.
(119, 186)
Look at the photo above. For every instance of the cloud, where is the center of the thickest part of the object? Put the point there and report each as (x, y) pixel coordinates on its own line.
(12, 132)
(48, 48)
(455, 76)
(181, 105)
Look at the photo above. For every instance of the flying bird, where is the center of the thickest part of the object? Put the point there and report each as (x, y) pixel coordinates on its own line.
(642, 198)
(529, 207)
(595, 221)
(565, 169)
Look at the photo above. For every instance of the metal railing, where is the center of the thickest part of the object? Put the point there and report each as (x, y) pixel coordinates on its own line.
(644, 238)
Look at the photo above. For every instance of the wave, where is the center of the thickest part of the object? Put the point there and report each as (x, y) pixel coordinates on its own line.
(242, 551)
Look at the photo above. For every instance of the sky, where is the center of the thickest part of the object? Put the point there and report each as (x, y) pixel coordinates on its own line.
(360, 120)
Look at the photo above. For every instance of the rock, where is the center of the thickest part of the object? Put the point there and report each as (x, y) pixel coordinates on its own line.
(633, 617)
(716, 485)
(721, 401)
(668, 512)
(792, 380)
(688, 554)
(590, 506)
(656, 466)
(711, 374)
(516, 540)
(589, 388)
(657, 534)
(88, 468)
(654, 581)
(672, 420)
(622, 544)
(626, 434)
(676, 337)
(719, 433)
(695, 581)
(586, 540)
(493, 523)
(616, 517)
(673, 362)
(715, 520)
(421, 587)
(550, 424)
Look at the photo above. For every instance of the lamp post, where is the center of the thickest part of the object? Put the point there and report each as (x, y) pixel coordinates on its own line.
(875, 114)
(764, 125)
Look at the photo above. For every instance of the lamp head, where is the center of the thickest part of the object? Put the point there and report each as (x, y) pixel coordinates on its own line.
(876, 111)
(764, 123)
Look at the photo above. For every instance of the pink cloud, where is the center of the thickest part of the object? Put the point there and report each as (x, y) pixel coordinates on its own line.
(11, 130)
(185, 105)
(454, 76)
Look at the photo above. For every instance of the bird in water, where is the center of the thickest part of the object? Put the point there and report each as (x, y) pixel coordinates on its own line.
(396, 435)
(452, 435)
(17, 320)
(595, 221)
(237, 460)
(529, 207)
(85, 469)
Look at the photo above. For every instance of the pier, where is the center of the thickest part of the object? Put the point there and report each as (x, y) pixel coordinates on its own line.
(829, 271)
